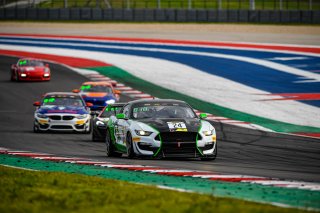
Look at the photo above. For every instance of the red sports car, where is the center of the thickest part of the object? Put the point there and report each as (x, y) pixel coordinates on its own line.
(28, 69)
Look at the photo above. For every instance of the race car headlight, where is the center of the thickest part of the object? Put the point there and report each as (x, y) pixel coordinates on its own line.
(23, 75)
(143, 133)
(208, 132)
(82, 116)
(39, 115)
(46, 75)
(111, 101)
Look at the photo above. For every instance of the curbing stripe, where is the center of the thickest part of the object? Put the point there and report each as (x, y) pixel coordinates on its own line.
(173, 172)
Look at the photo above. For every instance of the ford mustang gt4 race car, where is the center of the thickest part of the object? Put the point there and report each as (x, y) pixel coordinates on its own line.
(160, 128)
(100, 94)
(62, 111)
(28, 69)
(100, 122)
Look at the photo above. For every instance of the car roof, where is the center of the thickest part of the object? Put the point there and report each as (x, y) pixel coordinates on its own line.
(104, 83)
(156, 101)
(62, 93)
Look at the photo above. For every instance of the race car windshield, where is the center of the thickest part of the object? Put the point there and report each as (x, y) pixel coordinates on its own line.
(163, 111)
(31, 63)
(63, 101)
(110, 111)
(96, 88)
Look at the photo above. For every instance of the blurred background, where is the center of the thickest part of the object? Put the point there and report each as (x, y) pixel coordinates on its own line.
(174, 4)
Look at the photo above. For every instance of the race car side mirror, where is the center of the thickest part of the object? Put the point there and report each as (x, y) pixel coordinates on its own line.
(88, 104)
(37, 103)
(203, 116)
(13, 66)
(121, 116)
(75, 90)
(47, 65)
(117, 92)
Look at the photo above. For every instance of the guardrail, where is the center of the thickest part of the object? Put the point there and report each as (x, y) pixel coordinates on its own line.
(162, 15)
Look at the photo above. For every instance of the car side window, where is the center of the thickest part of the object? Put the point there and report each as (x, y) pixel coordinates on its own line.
(125, 111)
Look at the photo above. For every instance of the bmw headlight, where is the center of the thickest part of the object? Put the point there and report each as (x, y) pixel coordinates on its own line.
(82, 116)
(143, 133)
(39, 115)
(111, 101)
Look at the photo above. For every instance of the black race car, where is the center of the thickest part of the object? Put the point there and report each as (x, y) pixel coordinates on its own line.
(160, 128)
(99, 123)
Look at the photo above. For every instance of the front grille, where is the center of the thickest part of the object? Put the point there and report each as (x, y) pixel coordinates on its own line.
(82, 126)
(61, 127)
(179, 136)
(55, 117)
(68, 117)
(179, 144)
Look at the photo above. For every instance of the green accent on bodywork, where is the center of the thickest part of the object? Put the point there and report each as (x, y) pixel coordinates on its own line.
(203, 115)
(50, 100)
(160, 92)
(85, 87)
(157, 152)
(120, 116)
(197, 138)
(119, 147)
(267, 194)
(23, 62)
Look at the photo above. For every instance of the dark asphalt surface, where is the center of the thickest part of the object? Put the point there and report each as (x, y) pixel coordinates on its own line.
(241, 151)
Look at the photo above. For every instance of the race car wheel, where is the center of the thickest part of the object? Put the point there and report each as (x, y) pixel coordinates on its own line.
(109, 147)
(130, 150)
(213, 156)
(35, 128)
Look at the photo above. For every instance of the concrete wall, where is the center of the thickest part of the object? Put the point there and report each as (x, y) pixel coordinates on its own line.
(162, 15)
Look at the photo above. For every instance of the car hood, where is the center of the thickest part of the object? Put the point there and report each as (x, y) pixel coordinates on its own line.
(97, 96)
(173, 124)
(62, 109)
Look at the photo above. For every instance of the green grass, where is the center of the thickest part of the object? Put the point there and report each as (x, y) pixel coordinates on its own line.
(197, 4)
(29, 191)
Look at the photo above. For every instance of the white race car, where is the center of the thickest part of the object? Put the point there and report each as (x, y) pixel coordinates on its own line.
(160, 128)
(62, 111)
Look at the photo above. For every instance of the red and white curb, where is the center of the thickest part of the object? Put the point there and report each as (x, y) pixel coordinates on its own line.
(275, 182)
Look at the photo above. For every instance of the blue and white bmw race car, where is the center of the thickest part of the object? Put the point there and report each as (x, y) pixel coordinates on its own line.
(62, 111)
(160, 128)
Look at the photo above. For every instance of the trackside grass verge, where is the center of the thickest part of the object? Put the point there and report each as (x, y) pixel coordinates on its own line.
(37, 191)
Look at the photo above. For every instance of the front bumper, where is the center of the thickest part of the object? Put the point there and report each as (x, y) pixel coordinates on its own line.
(34, 78)
(67, 122)
(182, 144)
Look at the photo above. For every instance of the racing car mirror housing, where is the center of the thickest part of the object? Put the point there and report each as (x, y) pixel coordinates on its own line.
(121, 116)
(117, 92)
(37, 103)
(13, 66)
(88, 104)
(46, 65)
(75, 90)
(203, 116)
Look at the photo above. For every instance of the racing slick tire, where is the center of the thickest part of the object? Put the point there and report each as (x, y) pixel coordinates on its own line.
(129, 146)
(109, 147)
(211, 157)
(36, 128)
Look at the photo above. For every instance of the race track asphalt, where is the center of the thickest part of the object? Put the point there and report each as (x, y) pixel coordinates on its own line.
(241, 151)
